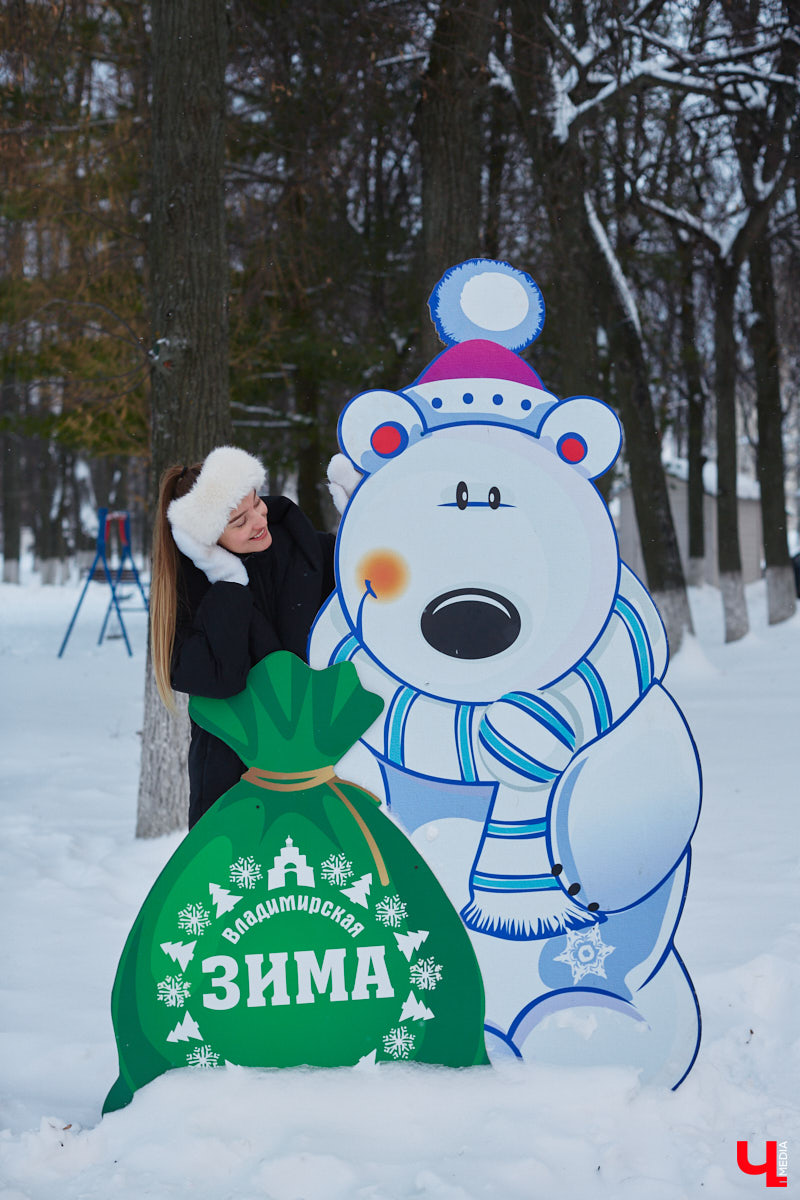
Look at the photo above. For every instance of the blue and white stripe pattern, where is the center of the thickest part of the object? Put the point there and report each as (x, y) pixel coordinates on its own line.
(346, 650)
(513, 883)
(512, 757)
(601, 705)
(464, 746)
(642, 650)
(545, 714)
(527, 737)
(533, 829)
(517, 829)
(394, 733)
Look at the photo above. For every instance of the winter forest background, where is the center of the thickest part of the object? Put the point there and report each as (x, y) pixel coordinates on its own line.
(218, 222)
(221, 221)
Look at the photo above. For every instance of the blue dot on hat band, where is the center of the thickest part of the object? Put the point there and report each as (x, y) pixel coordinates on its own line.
(468, 397)
(497, 398)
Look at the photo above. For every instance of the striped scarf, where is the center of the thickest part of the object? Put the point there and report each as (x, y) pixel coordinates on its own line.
(513, 891)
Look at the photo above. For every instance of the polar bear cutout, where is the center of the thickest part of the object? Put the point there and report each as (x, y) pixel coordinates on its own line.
(527, 745)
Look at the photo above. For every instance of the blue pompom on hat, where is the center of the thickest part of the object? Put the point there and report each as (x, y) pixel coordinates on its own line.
(485, 311)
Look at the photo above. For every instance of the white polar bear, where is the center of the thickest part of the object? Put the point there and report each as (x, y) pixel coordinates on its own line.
(527, 744)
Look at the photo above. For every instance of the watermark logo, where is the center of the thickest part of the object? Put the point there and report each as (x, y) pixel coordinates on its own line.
(774, 1167)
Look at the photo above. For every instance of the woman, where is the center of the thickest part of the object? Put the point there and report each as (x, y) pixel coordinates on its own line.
(235, 577)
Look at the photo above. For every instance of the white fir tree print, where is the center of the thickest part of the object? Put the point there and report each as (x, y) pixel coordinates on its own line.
(223, 900)
(173, 991)
(337, 869)
(391, 911)
(180, 952)
(193, 919)
(187, 1029)
(409, 943)
(245, 872)
(398, 1043)
(359, 891)
(415, 1010)
(426, 974)
(202, 1058)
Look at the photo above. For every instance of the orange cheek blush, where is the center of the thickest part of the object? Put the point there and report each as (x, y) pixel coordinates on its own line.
(386, 572)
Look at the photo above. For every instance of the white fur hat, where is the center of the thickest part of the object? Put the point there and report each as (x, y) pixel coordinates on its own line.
(228, 474)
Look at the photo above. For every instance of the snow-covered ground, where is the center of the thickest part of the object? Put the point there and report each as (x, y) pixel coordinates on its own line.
(73, 877)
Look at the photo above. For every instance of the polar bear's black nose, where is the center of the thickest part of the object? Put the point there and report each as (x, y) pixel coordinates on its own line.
(470, 623)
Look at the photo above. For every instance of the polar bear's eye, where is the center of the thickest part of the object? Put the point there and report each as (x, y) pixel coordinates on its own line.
(389, 439)
(494, 497)
(462, 495)
(572, 447)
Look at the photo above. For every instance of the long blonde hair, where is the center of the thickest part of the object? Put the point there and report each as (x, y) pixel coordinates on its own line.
(175, 482)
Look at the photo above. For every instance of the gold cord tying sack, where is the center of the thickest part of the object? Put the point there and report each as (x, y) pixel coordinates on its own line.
(303, 781)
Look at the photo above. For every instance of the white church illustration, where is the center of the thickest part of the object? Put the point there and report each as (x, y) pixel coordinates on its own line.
(290, 859)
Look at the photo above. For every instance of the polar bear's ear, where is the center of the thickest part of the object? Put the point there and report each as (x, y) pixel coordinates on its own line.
(583, 432)
(377, 426)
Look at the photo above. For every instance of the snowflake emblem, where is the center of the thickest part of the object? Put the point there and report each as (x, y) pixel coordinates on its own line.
(585, 953)
(202, 1058)
(194, 919)
(426, 974)
(173, 991)
(399, 1043)
(337, 869)
(245, 872)
(391, 911)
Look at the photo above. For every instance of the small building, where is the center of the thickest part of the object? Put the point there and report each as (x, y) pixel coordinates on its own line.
(751, 545)
(290, 859)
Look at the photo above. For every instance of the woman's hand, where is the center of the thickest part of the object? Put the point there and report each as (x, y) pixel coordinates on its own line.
(217, 564)
(343, 478)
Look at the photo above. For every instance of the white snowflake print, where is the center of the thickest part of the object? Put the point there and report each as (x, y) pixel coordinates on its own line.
(245, 872)
(202, 1058)
(426, 974)
(399, 1043)
(173, 991)
(585, 953)
(194, 919)
(391, 911)
(337, 869)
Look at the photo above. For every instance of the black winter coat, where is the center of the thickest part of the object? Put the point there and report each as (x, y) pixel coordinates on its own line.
(224, 629)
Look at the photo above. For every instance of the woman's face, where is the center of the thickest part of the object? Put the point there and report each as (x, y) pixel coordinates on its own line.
(247, 530)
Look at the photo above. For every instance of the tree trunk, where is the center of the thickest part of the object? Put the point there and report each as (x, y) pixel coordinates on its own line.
(448, 129)
(591, 279)
(188, 252)
(311, 458)
(500, 122)
(569, 343)
(164, 780)
(734, 603)
(696, 402)
(12, 403)
(770, 460)
(51, 544)
(12, 488)
(189, 280)
(650, 494)
(765, 139)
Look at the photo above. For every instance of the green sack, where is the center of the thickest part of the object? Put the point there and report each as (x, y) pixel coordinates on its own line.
(295, 924)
